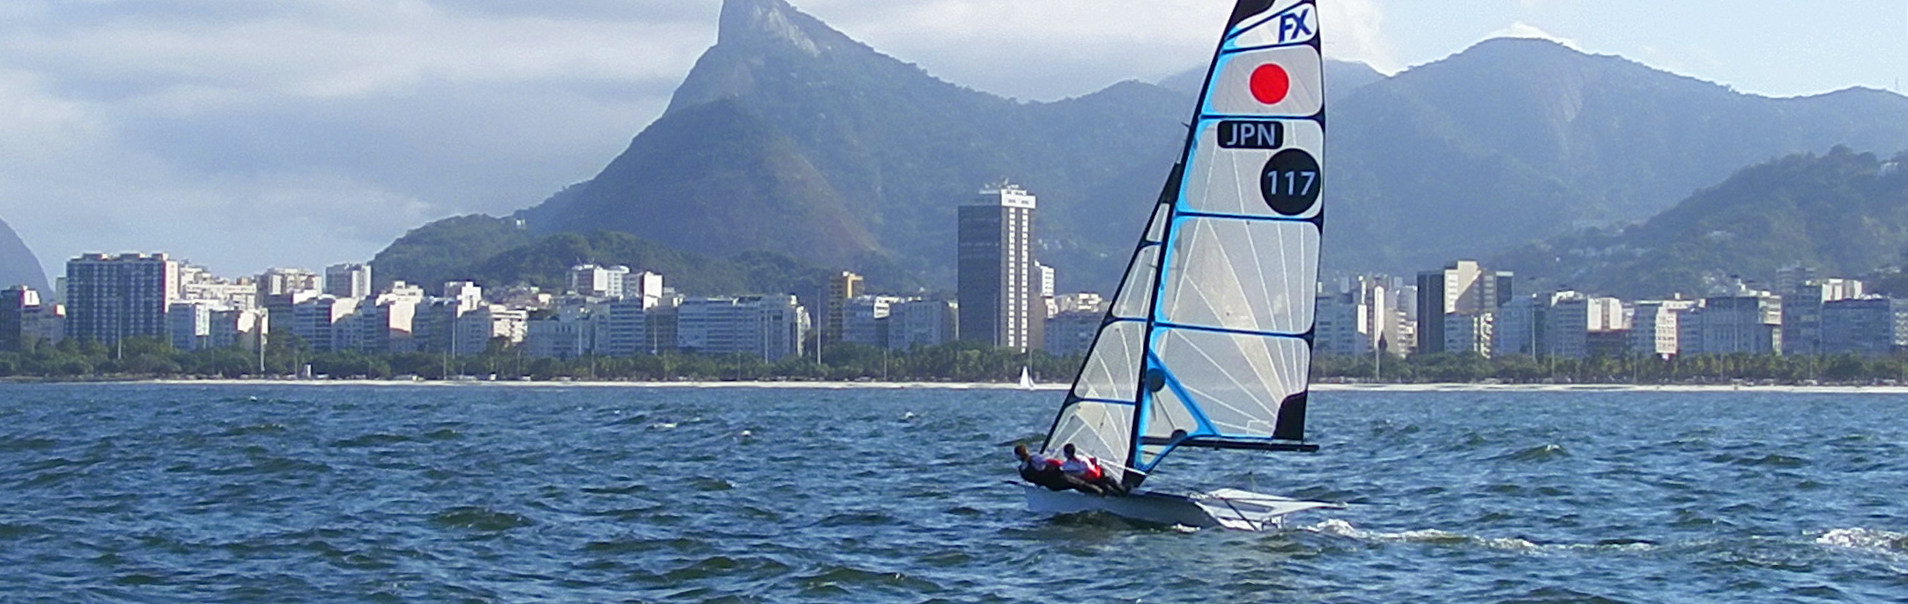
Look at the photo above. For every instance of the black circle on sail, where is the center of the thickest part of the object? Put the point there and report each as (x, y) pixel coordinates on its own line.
(1291, 181)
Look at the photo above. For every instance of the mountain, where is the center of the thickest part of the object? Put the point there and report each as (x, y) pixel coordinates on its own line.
(792, 138)
(1518, 140)
(18, 265)
(499, 251)
(1844, 213)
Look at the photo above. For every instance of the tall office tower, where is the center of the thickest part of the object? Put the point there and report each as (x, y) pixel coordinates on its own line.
(112, 298)
(1464, 289)
(995, 267)
(348, 280)
(15, 303)
(841, 288)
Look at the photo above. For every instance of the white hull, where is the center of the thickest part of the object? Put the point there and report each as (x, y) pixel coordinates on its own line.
(1229, 508)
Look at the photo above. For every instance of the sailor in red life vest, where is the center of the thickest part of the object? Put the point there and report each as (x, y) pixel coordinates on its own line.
(1041, 470)
(1083, 467)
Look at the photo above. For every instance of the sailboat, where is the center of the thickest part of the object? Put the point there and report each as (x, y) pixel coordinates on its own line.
(1208, 343)
(1026, 379)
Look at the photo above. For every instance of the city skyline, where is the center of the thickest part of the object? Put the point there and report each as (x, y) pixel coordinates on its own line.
(123, 148)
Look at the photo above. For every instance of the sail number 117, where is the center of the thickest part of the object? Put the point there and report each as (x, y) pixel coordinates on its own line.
(1291, 181)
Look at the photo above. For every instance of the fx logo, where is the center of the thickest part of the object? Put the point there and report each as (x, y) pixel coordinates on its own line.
(1296, 25)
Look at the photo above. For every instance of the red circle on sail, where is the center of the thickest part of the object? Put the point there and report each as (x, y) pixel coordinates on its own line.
(1270, 84)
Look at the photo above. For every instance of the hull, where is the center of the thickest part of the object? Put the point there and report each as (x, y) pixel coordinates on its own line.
(1228, 508)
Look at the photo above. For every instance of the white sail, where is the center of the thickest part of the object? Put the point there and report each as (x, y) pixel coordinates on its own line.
(1208, 342)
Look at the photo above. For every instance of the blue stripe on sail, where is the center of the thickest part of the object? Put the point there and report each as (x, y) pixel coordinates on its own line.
(1236, 332)
(1202, 425)
(1104, 401)
(1255, 218)
(1241, 49)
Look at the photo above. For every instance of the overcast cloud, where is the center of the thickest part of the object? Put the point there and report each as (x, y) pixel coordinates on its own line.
(242, 134)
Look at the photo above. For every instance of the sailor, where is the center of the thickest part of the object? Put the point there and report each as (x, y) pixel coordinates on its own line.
(1081, 466)
(1041, 470)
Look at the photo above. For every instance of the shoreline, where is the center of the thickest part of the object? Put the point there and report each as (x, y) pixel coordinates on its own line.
(1046, 388)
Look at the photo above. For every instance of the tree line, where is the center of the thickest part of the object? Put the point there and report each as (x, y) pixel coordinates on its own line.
(1627, 369)
(148, 358)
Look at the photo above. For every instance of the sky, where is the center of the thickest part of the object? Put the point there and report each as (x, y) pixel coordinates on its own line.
(241, 134)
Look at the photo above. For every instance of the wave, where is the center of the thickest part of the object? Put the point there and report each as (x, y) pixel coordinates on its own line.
(1537, 453)
(1868, 539)
(1341, 528)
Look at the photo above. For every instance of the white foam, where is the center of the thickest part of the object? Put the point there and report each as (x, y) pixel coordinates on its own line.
(1861, 538)
(1342, 528)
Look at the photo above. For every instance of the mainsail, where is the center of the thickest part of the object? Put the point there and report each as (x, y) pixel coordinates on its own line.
(1209, 341)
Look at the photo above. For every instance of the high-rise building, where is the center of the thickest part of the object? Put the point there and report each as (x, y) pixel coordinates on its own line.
(864, 320)
(562, 333)
(15, 304)
(1462, 289)
(922, 323)
(1071, 330)
(1745, 322)
(1357, 321)
(1574, 320)
(769, 326)
(348, 280)
(112, 298)
(622, 327)
(1655, 326)
(996, 275)
(592, 281)
(1802, 307)
(279, 289)
(1872, 327)
(646, 287)
(189, 325)
(317, 321)
(841, 288)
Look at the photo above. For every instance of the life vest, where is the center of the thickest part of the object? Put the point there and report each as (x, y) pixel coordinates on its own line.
(1085, 468)
(1039, 463)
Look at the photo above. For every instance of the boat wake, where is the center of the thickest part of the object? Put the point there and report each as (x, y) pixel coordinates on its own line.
(1340, 528)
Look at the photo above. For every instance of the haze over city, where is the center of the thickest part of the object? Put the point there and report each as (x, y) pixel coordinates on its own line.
(242, 136)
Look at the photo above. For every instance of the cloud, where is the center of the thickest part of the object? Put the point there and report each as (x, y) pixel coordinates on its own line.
(242, 133)
(1521, 29)
(1048, 50)
(1356, 34)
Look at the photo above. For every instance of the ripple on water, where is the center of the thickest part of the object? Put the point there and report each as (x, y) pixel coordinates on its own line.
(15, 445)
(477, 518)
(845, 580)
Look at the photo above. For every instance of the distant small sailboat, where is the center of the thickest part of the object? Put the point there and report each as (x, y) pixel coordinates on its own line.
(1209, 341)
(1026, 379)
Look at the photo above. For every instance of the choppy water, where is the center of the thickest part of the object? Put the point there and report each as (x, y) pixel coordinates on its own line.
(147, 493)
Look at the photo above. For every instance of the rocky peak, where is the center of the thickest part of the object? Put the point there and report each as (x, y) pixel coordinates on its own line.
(750, 22)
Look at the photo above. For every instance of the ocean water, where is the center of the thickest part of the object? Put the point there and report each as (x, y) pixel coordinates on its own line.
(285, 493)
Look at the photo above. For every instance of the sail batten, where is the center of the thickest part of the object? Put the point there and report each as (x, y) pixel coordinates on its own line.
(1208, 341)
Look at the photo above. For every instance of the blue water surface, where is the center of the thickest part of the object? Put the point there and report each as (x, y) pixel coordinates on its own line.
(492, 493)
